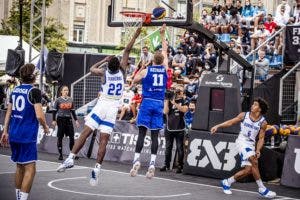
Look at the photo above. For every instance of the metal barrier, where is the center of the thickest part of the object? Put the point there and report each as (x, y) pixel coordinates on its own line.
(287, 98)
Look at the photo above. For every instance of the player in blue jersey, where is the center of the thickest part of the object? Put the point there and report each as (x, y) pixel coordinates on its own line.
(253, 124)
(23, 115)
(150, 116)
(103, 115)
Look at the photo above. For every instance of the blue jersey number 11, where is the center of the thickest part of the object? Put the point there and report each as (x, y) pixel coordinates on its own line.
(158, 79)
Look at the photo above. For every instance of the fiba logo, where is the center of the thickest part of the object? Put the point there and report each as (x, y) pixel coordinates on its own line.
(220, 78)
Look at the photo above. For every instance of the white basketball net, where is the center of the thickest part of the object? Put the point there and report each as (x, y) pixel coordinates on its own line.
(132, 22)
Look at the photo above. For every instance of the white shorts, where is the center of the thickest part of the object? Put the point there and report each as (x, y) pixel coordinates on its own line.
(103, 116)
(245, 151)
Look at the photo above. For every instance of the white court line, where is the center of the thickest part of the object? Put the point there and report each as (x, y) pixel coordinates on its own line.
(178, 181)
(109, 195)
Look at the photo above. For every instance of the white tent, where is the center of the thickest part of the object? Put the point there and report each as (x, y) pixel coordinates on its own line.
(11, 42)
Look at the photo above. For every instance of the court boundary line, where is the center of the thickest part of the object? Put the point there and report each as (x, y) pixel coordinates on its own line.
(179, 181)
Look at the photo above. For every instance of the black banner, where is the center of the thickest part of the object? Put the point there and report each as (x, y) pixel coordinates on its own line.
(292, 45)
(291, 168)
(120, 148)
(211, 155)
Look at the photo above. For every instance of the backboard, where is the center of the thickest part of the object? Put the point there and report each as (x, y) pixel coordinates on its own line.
(178, 12)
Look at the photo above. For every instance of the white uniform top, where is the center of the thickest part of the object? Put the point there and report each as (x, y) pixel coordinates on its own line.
(249, 129)
(112, 88)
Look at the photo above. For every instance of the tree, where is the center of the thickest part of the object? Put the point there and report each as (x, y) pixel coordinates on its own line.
(53, 32)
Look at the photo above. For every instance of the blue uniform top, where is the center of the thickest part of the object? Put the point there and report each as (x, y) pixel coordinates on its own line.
(23, 126)
(155, 82)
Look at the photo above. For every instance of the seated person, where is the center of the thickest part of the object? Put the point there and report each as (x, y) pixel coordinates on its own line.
(179, 62)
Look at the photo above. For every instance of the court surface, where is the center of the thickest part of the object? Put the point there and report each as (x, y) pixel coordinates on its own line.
(117, 184)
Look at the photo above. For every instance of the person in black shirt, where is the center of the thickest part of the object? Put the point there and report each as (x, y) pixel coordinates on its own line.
(64, 108)
(174, 109)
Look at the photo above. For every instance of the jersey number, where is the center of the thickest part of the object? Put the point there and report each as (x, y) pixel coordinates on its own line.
(158, 79)
(114, 89)
(18, 103)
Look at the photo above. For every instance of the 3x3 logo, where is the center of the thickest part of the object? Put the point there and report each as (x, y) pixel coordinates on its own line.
(200, 147)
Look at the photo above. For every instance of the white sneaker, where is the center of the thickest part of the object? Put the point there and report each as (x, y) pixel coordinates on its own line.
(94, 179)
(226, 187)
(150, 172)
(266, 193)
(135, 168)
(68, 163)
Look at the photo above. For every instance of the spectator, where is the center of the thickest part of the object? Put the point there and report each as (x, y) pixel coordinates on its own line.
(281, 17)
(189, 115)
(244, 39)
(135, 103)
(130, 68)
(179, 62)
(191, 88)
(216, 9)
(146, 57)
(204, 19)
(175, 108)
(287, 9)
(223, 21)
(229, 7)
(213, 22)
(234, 22)
(259, 36)
(269, 24)
(210, 56)
(170, 48)
(247, 13)
(239, 7)
(183, 45)
(126, 103)
(262, 66)
(10, 86)
(193, 54)
(259, 13)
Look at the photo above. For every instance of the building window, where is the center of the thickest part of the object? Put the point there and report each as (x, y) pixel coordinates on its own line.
(78, 34)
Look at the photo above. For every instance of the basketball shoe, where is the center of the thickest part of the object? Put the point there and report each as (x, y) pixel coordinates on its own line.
(226, 187)
(264, 192)
(68, 163)
(135, 168)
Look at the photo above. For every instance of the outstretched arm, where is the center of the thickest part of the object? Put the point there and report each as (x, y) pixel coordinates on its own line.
(261, 139)
(128, 48)
(99, 71)
(228, 123)
(164, 45)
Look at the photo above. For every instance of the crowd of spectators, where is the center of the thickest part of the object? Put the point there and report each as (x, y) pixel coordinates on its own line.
(243, 25)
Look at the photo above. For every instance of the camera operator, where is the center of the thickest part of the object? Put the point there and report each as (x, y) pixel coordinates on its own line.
(175, 107)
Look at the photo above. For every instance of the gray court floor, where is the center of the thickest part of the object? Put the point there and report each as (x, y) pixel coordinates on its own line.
(117, 184)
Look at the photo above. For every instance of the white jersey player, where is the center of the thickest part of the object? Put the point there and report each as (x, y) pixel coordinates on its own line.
(103, 115)
(253, 124)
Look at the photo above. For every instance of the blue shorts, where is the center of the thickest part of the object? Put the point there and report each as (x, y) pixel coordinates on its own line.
(150, 114)
(23, 153)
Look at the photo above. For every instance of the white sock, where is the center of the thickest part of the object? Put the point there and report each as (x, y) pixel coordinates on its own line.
(260, 184)
(18, 194)
(153, 158)
(136, 156)
(98, 166)
(24, 196)
(71, 156)
(231, 180)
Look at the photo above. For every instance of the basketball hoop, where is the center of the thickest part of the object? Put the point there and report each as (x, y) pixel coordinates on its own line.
(135, 19)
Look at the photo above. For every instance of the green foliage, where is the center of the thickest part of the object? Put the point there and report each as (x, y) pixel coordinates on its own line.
(54, 37)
